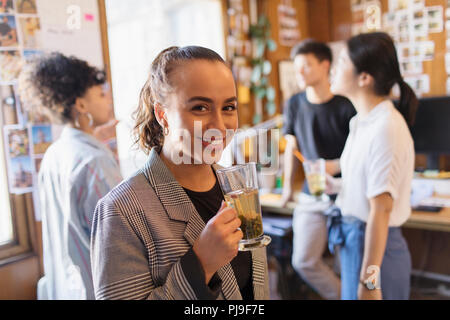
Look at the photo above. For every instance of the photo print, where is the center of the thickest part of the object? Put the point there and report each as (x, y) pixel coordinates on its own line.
(26, 6)
(31, 32)
(10, 65)
(41, 138)
(21, 174)
(435, 15)
(31, 54)
(411, 67)
(17, 141)
(6, 6)
(396, 5)
(8, 31)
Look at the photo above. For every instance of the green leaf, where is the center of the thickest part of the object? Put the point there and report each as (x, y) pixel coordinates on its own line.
(260, 92)
(257, 118)
(267, 67)
(271, 45)
(256, 74)
(256, 32)
(260, 48)
(271, 108)
(270, 94)
(256, 61)
(264, 81)
(263, 21)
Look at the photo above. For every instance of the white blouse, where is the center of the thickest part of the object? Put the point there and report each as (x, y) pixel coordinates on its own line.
(76, 172)
(378, 157)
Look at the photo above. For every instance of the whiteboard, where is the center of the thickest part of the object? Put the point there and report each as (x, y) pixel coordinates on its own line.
(59, 33)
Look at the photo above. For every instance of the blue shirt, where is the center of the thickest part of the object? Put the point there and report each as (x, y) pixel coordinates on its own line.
(76, 172)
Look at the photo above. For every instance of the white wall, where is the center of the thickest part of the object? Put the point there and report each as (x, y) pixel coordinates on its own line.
(138, 30)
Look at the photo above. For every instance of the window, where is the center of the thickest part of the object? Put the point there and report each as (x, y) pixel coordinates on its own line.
(6, 231)
(16, 211)
(137, 33)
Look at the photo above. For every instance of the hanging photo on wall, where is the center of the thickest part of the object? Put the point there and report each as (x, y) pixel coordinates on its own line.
(372, 16)
(17, 142)
(390, 24)
(31, 54)
(31, 32)
(6, 6)
(20, 166)
(288, 29)
(435, 16)
(8, 31)
(420, 84)
(411, 67)
(21, 174)
(41, 138)
(26, 6)
(427, 48)
(395, 5)
(10, 65)
(288, 81)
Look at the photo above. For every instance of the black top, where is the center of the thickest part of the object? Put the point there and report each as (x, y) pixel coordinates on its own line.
(320, 129)
(207, 204)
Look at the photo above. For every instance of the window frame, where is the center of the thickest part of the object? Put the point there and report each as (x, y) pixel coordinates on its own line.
(21, 245)
(21, 212)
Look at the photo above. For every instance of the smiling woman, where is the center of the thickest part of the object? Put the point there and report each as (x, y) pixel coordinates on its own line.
(169, 220)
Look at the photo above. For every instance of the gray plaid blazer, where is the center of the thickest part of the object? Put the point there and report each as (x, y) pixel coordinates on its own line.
(140, 231)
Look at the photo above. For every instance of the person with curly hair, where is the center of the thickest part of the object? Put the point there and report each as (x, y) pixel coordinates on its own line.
(77, 169)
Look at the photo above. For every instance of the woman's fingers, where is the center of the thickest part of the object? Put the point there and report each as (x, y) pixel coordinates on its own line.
(225, 215)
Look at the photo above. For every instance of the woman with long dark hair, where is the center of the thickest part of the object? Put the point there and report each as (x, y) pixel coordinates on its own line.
(377, 168)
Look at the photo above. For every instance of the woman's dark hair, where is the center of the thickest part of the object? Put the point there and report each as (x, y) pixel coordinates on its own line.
(319, 49)
(55, 81)
(375, 54)
(147, 131)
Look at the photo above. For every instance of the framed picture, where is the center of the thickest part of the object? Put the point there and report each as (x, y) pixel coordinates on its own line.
(288, 81)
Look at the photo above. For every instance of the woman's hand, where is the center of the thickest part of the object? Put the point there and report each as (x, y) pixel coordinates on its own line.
(333, 185)
(332, 167)
(218, 243)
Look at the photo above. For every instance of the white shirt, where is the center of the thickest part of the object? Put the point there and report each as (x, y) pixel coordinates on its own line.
(76, 172)
(378, 157)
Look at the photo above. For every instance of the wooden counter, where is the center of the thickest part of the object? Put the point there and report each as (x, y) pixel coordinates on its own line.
(435, 221)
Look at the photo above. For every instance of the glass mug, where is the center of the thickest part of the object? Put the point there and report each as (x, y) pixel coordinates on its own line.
(316, 177)
(239, 185)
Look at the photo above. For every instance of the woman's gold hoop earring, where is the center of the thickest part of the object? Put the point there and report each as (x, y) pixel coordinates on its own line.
(166, 131)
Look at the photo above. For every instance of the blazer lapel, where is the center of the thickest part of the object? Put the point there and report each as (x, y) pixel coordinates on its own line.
(259, 274)
(179, 207)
